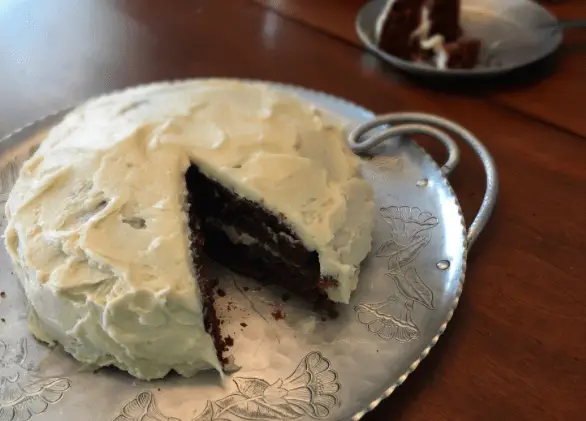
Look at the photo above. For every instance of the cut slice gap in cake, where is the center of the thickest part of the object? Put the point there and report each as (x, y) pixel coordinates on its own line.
(245, 238)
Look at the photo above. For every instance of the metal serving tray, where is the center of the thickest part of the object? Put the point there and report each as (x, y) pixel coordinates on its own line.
(296, 368)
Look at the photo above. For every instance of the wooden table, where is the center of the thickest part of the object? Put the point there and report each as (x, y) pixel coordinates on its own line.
(516, 348)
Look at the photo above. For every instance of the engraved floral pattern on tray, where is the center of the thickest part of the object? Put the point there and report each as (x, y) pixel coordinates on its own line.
(22, 394)
(410, 232)
(309, 391)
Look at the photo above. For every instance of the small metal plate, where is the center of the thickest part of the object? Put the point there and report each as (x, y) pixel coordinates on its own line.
(514, 33)
(296, 368)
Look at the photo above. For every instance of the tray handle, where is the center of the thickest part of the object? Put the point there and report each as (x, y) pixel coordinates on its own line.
(435, 127)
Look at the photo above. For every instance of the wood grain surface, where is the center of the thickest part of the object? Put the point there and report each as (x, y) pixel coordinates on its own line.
(516, 348)
(532, 95)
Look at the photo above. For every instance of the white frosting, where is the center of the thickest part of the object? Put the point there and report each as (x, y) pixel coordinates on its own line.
(97, 227)
(237, 237)
(434, 43)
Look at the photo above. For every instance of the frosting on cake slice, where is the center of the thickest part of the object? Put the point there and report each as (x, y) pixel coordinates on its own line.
(426, 30)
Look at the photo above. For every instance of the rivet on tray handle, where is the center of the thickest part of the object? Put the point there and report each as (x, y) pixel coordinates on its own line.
(430, 125)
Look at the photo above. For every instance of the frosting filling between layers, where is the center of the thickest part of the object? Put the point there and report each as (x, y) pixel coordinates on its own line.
(426, 30)
(434, 43)
(244, 237)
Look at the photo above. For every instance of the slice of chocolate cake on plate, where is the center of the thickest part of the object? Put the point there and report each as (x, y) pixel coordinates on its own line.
(426, 31)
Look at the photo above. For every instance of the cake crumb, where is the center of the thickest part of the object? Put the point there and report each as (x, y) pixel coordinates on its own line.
(230, 365)
(2, 294)
(243, 324)
(3, 320)
(221, 292)
(286, 297)
(225, 360)
(229, 341)
(278, 314)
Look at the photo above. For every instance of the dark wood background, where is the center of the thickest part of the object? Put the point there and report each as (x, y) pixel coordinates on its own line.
(516, 348)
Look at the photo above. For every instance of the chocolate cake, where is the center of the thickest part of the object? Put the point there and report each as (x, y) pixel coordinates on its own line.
(244, 237)
(426, 31)
(114, 220)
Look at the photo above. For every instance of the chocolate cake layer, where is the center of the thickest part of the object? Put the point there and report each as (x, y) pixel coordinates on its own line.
(402, 20)
(254, 261)
(268, 252)
(219, 203)
(206, 285)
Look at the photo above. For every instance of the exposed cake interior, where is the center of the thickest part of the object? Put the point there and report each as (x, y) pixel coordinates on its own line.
(426, 31)
(205, 283)
(246, 238)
